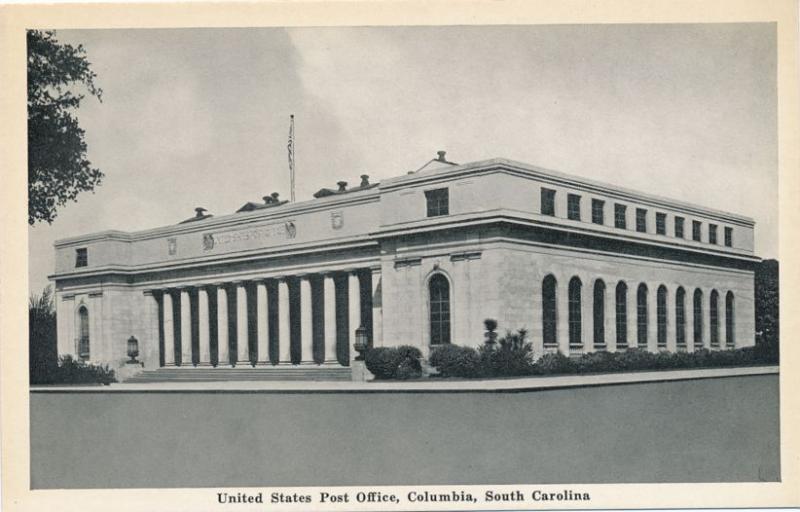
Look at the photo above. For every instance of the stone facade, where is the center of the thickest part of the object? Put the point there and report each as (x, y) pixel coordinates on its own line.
(280, 283)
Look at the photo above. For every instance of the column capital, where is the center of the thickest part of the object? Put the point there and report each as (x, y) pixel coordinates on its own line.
(149, 292)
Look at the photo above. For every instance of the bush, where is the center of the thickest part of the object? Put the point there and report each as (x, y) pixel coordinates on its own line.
(597, 362)
(554, 363)
(456, 361)
(512, 357)
(401, 362)
(76, 371)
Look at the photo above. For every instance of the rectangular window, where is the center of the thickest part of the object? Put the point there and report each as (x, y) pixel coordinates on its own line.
(728, 237)
(661, 223)
(597, 211)
(712, 233)
(548, 202)
(573, 207)
(696, 230)
(438, 202)
(641, 220)
(619, 216)
(678, 227)
(81, 257)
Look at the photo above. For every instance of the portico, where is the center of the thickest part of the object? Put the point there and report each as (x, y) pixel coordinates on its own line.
(304, 319)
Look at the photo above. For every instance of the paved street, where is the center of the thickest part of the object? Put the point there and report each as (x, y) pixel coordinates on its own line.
(721, 429)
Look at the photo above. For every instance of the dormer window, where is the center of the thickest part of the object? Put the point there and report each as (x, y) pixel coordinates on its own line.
(81, 257)
(438, 202)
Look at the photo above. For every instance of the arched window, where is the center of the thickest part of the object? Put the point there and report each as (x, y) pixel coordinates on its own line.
(622, 315)
(599, 313)
(83, 333)
(698, 318)
(641, 315)
(680, 317)
(549, 311)
(439, 290)
(661, 316)
(714, 318)
(575, 311)
(730, 340)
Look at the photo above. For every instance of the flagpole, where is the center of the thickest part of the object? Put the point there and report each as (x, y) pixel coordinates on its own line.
(291, 155)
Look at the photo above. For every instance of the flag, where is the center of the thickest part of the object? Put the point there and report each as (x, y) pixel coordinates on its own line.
(290, 148)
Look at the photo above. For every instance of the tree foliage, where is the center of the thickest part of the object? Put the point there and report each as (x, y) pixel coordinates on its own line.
(766, 304)
(57, 166)
(42, 350)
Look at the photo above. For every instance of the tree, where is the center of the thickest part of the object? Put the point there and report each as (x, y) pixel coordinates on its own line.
(57, 166)
(42, 349)
(767, 296)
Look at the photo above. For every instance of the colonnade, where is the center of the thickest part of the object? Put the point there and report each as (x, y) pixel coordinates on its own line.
(196, 320)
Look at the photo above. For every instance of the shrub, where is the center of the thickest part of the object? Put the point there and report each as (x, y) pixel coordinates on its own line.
(636, 359)
(554, 363)
(512, 357)
(456, 361)
(76, 371)
(597, 362)
(394, 362)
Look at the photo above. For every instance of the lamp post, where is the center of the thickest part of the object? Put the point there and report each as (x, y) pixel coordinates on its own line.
(133, 349)
(361, 343)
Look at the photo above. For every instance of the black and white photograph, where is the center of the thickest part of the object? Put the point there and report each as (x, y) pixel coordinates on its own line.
(403, 266)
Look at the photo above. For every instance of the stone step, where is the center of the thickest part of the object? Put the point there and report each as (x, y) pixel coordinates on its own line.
(192, 374)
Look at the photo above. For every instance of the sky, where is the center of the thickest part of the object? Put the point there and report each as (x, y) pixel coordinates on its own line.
(200, 117)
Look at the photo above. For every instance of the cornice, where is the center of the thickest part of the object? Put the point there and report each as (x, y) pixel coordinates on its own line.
(558, 178)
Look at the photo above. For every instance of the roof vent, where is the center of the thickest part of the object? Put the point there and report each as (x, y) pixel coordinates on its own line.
(200, 212)
(441, 156)
(364, 180)
(342, 186)
(267, 199)
(274, 197)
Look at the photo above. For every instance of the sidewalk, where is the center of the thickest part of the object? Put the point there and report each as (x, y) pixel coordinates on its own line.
(418, 386)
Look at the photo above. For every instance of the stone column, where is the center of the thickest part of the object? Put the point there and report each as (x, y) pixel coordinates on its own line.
(353, 310)
(186, 328)
(284, 324)
(148, 347)
(562, 315)
(262, 322)
(223, 351)
(169, 330)
(329, 296)
(652, 318)
(377, 307)
(242, 338)
(203, 331)
(306, 322)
